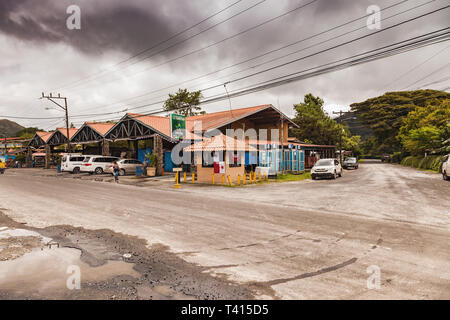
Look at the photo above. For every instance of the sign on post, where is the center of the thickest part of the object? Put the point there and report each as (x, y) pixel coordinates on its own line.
(177, 126)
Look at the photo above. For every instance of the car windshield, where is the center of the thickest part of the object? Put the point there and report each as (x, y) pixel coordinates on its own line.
(351, 160)
(324, 163)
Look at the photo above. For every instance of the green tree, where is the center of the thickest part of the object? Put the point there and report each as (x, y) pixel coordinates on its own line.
(353, 144)
(27, 133)
(184, 102)
(385, 115)
(315, 125)
(418, 141)
(426, 127)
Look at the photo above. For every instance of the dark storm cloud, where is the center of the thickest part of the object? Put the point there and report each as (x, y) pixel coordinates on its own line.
(106, 25)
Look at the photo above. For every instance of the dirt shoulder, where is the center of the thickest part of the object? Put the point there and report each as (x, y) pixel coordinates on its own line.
(155, 272)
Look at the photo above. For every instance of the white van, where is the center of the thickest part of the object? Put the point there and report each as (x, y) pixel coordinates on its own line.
(72, 162)
(97, 164)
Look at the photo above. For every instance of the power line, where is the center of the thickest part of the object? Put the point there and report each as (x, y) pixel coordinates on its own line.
(402, 46)
(428, 75)
(275, 50)
(217, 42)
(295, 60)
(416, 67)
(157, 44)
(267, 53)
(188, 38)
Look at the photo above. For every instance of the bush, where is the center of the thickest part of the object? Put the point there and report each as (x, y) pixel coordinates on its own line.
(397, 157)
(429, 163)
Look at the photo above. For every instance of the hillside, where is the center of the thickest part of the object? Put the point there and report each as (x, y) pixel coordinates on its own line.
(9, 127)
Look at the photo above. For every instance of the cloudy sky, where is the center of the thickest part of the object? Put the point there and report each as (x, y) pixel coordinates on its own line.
(131, 54)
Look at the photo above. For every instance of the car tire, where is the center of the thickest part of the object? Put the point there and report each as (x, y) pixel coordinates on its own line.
(98, 170)
(334, 175)
(445, 176)
(76, 170)
(340, 173)
(122, 172)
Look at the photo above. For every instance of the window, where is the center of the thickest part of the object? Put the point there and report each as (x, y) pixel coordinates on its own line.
(234, 159)
(76, 159)
(208, 158)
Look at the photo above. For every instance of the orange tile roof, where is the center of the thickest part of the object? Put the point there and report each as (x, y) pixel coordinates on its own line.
(209, 121)
(161, 124)
(218, 119)
(44, 135)
(220, 143)
(101, 127)
(72, 131)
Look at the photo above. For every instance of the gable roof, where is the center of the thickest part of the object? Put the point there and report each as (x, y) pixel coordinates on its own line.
(100, 127)
(44, 135)
(72, 131)
(159, 123)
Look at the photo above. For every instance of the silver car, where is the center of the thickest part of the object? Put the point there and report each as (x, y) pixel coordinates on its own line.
(128, 166)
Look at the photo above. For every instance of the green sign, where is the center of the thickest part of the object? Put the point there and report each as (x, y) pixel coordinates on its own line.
(177, 126)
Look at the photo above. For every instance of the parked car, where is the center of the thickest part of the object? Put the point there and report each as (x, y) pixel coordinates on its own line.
(386, 158)
(97, 164)
(446, 167)
(328, 168)
(72, 162)
(128, 166)
(2, 167)
(350, 163)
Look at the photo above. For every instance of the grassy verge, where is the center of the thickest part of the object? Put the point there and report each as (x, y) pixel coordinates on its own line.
(430, 163)
(293, 177)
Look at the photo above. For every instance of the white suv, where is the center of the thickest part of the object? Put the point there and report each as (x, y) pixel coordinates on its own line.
(72, 162)
(329, 168)
(446, 167)
(97, 164)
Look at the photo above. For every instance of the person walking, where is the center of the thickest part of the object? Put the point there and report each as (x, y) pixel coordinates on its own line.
(116, 171)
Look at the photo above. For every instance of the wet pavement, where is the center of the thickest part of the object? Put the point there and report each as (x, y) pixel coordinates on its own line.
(293, 240)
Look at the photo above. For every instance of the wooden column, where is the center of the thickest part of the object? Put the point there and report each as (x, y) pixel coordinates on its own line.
(158, 149)
(105, 148)
(29, 157)
(47, 156)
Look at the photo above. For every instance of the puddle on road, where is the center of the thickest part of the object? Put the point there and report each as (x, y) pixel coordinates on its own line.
(41, 269)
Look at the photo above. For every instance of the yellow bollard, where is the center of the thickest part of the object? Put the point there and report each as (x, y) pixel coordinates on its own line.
(212, 178)
(239, 179)
(244, 180)
(184, 177)
(193, 177)
(223, 179)
(259, 176)
(254, 177)
(265, 176)
(177, 185)
(229, 181)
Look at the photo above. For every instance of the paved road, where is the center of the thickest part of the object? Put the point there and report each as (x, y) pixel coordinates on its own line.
(296, 240)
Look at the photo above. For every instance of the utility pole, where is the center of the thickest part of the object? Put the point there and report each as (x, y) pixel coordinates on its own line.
(66, 110)
(341, 113)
